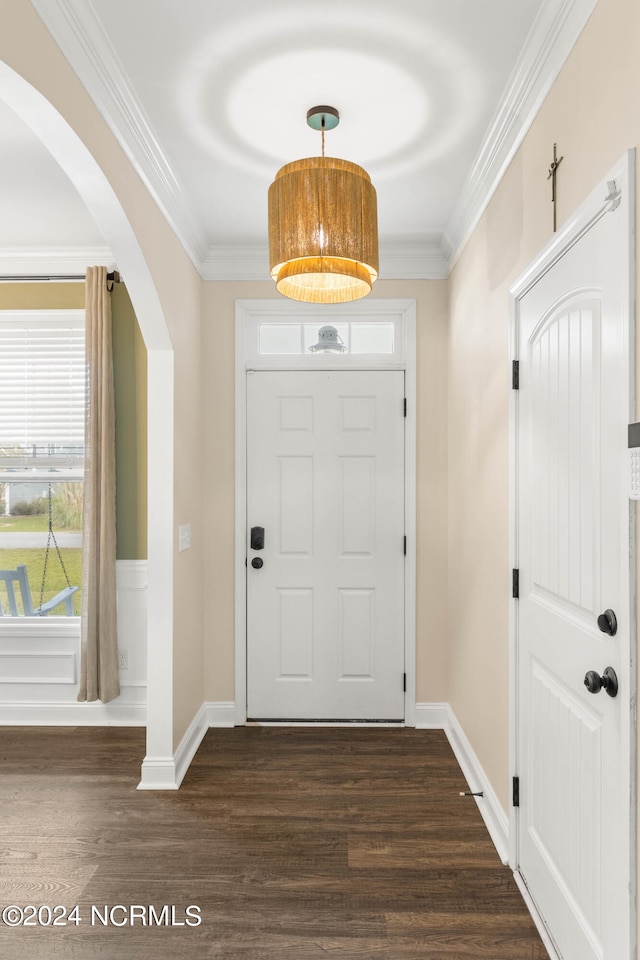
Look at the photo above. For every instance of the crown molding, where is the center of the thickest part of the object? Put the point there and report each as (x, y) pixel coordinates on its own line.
(398, 261)
(413, 261)
(76, 29)
(553, 35)
(31, 262)
(79, 34)
(237, 262)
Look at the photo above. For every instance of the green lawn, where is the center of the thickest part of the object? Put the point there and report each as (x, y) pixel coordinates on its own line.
(33, 524)
(34, 560)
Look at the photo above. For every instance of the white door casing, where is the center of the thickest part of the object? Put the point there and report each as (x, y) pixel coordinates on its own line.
(574, 752)
(325, 479)
(250, 314)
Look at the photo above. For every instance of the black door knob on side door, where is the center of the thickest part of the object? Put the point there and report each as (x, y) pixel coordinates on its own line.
(257, 563)
(608, 623)
(608, 681)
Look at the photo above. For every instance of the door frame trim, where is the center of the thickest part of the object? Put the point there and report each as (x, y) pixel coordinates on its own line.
(247, 313)
(617, 188)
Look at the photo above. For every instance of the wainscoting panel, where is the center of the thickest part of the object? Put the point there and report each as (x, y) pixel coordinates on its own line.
(40, 663)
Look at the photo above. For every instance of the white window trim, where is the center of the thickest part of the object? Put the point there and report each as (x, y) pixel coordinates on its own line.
(249, 315)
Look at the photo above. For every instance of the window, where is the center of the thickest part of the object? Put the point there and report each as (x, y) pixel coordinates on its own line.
(42, 409)
(357, 338)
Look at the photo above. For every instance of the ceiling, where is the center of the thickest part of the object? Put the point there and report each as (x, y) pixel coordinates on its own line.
(209, 99)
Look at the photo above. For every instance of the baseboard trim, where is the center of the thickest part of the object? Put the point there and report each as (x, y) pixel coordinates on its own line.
(29, 713)
(440, 716)
(535, 916)
(432, 716)
(221, 714)
(188, 746)
(158, 773)
(491, 810)
(167, 773)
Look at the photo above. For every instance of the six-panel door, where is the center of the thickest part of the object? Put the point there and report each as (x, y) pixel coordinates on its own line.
(325, 610)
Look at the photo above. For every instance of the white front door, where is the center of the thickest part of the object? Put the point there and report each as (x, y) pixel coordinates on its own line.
(325, 608)
(574, 824)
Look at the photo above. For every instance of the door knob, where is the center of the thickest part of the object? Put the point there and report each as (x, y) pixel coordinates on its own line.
(608, 681)
(608, 623)
(257, 562)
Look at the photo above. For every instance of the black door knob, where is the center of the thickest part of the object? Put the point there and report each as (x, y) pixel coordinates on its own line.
(608, 681)
(257, 562)
(607, 622)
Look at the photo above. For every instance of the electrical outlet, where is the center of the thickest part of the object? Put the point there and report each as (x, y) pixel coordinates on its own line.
(123, 659)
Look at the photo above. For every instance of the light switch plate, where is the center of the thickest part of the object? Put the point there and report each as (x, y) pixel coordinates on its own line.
(184, 536)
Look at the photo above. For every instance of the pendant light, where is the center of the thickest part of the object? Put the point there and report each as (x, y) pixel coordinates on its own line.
(323, 225)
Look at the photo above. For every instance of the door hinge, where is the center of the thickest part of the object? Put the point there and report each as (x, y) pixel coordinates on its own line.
(405, 546)
(515, 375)
(516, 792)
(405, 406)
(515, 584)
(404, 683)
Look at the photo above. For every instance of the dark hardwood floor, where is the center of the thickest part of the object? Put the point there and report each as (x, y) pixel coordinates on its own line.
(295, 843)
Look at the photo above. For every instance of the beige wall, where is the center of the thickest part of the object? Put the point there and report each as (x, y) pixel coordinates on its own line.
(27, 48)
(218, 511)
(593, 114)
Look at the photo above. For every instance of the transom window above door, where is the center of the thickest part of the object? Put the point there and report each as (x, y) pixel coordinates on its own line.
(366, 334)
(345, 337)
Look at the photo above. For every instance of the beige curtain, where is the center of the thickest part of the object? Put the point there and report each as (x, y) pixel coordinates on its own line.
(99, 643)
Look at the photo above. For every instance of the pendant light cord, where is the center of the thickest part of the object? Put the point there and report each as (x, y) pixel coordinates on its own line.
(322, 127)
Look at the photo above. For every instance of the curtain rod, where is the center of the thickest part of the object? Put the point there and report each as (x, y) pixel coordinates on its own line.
(113, 277)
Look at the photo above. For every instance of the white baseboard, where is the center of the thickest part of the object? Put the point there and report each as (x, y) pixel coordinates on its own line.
(167, 773)
(432, 716)
(221, 714)
(32, 713)
(537, 919)
(188, 746)
(158, 773)
(493, 814)
(440, 716)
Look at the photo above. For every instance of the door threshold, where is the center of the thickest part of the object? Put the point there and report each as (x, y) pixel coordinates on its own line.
(292, 721)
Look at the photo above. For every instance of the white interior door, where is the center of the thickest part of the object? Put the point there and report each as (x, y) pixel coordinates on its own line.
(574, 748)
(325, 610)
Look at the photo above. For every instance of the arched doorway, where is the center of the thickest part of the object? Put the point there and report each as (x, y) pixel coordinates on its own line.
(106, 209)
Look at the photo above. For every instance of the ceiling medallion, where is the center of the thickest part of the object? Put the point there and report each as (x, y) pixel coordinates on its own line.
(323, 225)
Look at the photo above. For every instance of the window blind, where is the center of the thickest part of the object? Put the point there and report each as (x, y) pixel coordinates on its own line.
(42, 390)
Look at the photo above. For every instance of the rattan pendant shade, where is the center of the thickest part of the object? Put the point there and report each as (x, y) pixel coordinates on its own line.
(323, 231)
